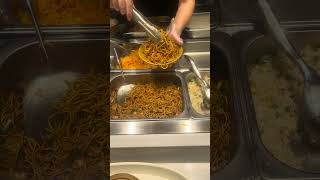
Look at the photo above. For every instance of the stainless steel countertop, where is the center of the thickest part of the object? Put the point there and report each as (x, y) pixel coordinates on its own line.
(188, 154)
(181, 144)
(189, 122)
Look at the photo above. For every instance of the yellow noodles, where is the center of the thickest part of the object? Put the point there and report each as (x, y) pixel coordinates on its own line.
(163, 53)
(220, 131)
(149, 100)
(10, 111)
(76, 144)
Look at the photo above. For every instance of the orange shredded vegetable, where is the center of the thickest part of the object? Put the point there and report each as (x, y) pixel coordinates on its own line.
(133, 61)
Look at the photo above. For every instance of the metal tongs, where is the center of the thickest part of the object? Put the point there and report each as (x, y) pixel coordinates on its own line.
(150, 28)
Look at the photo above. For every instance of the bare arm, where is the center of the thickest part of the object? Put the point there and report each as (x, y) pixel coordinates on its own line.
(183, 15)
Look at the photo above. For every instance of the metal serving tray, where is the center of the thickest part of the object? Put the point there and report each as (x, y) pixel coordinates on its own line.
(200, 21)
(225, 67)
(21, 61)
(199, 26)
(134, 78)
(197, 33)
(188, 77)
(254, 46)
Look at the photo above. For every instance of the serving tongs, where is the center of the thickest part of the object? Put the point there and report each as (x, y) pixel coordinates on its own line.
(204, 85)
(150, 28)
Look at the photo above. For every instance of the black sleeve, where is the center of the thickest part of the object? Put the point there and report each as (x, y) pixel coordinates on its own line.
(157, 7)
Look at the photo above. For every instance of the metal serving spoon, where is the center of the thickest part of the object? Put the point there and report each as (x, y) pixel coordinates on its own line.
(41, 94)
(119, 44)
(125, 47)
(311, 77)
(124, 89)
(204, 85)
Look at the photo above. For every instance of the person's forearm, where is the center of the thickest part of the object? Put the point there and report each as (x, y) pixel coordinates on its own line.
(184, 14)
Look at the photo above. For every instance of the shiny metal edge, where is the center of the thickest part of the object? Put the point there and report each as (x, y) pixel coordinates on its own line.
(198, 33)
(181, 70)
(170, 126)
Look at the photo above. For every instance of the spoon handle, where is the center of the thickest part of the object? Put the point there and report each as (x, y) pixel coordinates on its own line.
(278, 34)
(37, 28)
(119, 44)
(196, 71)
(119, 63)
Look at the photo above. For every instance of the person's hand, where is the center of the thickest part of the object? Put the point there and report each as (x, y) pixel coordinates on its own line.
(124, 6)
(174, 33)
